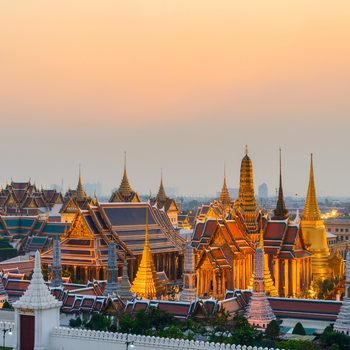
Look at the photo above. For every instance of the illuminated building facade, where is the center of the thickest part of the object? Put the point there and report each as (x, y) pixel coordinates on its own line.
(225, 244)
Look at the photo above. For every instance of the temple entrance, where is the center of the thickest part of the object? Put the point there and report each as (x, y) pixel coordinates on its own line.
(27, 328)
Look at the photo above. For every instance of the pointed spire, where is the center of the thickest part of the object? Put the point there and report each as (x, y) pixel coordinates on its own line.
(246, 150)
(80, 194)
(280, 213)
(124, 289)
(311, 211)
(161, 196)
(225, 197)
(125, 188)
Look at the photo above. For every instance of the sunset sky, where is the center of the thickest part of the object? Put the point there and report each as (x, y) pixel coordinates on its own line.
(178, 85)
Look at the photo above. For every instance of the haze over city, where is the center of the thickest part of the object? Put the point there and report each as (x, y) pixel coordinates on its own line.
(182, 86)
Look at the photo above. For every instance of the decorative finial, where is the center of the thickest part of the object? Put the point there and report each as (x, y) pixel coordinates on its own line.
(246, 150)
(224, 169)
(124, 161)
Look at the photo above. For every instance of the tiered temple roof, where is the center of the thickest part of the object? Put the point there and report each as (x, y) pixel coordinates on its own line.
(24, 198)
(163, 201)
(30, 233)
(75, 199)
(86, 241)
(125, 193)
(281, 238)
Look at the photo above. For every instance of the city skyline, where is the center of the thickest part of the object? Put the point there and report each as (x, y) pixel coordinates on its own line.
(181, 87)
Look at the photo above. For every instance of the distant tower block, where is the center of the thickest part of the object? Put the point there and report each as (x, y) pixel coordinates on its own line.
(259, 312)
(189, 291)
(56, 276)
(124, 289)
(342, 323)
(112, 271)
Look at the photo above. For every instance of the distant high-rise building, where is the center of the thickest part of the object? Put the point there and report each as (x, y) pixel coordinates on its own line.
(233, 192)
(263, 191)
(172, 191)
(91, 188)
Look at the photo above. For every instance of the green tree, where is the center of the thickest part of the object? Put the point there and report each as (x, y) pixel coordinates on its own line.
(299, 329)
(142, 322)
(272, 330)
(98, 323)
(330, 338)
(295, 345)
(172, 332)
(160, 319)
(126, 324)
(44, 271)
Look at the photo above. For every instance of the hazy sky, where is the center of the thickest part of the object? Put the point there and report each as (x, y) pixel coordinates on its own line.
(179, 85)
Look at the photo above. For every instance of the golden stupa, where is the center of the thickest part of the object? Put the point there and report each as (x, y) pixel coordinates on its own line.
(246, 200)
(147, 284)
(314, 232)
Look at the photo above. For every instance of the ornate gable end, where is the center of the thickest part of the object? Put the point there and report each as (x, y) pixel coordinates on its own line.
(10, 201)
(218, 239)
(173, 206)
(79, 229)
(70, 206)
(298, 243)
(33, 204)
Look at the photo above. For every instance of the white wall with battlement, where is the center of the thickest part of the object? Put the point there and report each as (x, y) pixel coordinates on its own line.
(9, 338)
(62, 338)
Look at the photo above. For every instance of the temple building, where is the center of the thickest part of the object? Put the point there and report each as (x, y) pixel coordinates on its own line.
(24, 198)
(259, 312)
(315, 232)
(246, 201)
(225, 246)
(85, 244)
(74, 200)
(294, 252)
(169, 205)
(125, 193)
(146, 283)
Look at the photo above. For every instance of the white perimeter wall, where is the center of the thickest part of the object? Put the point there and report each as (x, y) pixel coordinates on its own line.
(74, 339)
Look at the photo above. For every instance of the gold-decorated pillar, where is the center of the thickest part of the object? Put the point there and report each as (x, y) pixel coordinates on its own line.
(294, 277)
(277, 275)
(286, 278)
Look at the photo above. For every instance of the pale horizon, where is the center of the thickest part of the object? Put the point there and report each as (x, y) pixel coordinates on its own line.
(181, 86)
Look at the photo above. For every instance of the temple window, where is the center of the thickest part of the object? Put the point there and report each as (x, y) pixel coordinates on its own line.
(346, 230)
(329, 230)
(341, 230)
(336, 230)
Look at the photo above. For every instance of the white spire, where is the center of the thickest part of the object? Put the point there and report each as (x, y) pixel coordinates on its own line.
(37, 296)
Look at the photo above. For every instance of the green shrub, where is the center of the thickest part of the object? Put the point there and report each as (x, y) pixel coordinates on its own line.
(7, 305)
(7, 253)
(299, 329)
(329, 339)
(272, 330)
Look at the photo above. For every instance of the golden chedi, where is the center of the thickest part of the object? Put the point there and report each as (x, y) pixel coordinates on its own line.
(147, 284)
(246, 200)
(314, 232)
